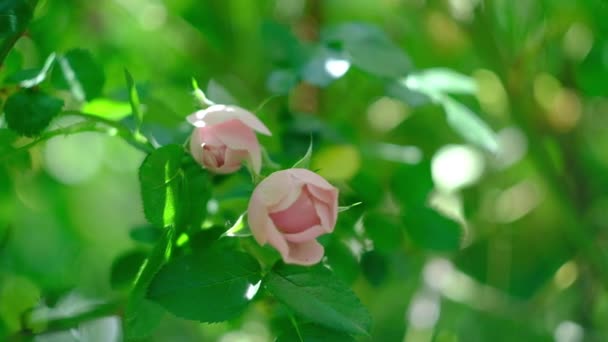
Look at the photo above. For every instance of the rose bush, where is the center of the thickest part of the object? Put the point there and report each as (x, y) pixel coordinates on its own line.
(224, 137)
(289, 210)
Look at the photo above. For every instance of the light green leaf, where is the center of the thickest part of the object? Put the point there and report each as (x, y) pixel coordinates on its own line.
(80, 73)
(218, 94)
(239, 228)
(108, 109)
(200, 96)
(369, 48)
(317, 295)
(468, 125)
(29, 112)
(160, 179)
(209, 286)
(440, 81)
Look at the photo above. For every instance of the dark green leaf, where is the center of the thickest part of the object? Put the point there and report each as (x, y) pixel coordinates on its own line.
(317, 295)
(430, 230)
(125, 267)
(384, 231)
(160, 178)
(412, 184)
(146, 234)
(32, 77)
(14, 16)
(342, 260)
(142, 315)
(304, 162)
(134, 100)
(314, 333)
(375, 267)
(29, 112)
(209, 286)
(80, 73)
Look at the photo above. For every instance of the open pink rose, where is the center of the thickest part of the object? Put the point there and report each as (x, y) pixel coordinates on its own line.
(289, 210)
(225, 136)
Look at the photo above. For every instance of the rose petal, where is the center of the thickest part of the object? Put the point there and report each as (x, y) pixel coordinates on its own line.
(217, 114)
(238, 136)
(274, 189)
(299, 216)
(306, 235)
(261, 225)
(305, 254)
(325, 216)
(309, 177)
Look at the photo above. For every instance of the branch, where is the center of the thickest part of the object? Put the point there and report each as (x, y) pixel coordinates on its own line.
(136, 140)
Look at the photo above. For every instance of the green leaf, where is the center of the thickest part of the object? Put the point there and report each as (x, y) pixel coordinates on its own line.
(146, 234)
(304, 163)
(124, 268)
(134, 100)
(383, 231)
(29, 112)
(412, 184)
(430, 230)
(318, 71)
(314, 333)
(468, 125)
(160, 178)
(142, 315)
(369, 48)
(14, 16)
(218, 94)
(108, 109)
(209, 286)
(375, 267)
(80, 73)
(193, 197)
(398, 90)
(281, 81)
(317, 295)
(200, 96)
(342, 260)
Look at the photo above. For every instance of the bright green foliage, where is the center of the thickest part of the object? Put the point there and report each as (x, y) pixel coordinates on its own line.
(317, 295)
(160, 176)
(208, 286)
(78, 72)
(313, 333)
(29, 112)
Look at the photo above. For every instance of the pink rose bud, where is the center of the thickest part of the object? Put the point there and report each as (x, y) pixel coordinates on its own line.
(224, 137)
(289, 210)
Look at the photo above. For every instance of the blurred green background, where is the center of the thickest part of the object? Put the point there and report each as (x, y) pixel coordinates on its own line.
(520, 250)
